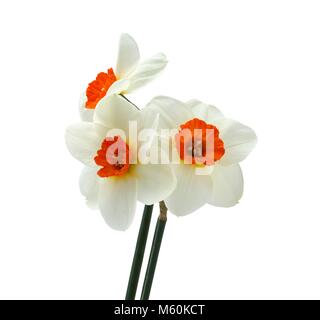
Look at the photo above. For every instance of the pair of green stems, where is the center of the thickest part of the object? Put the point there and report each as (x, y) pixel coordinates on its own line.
(140, 249)
(141, 246)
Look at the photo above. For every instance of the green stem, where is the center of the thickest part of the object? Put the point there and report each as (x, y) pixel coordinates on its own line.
(139, 253)
(140, 246)
(123, 96)
(154, 253)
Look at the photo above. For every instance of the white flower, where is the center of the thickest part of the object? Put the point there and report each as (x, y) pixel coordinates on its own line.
(115, 187)
(130, 74)
(221, 183)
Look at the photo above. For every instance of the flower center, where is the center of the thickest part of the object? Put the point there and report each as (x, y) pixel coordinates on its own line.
(199, 143)
(113, 157)
(98, 88)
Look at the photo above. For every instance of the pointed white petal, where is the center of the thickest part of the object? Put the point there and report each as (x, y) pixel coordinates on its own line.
(192, 191)
(146, 71)
(89, 186)
(118, 87)
(83, 139)
(239, 140)
(85, 113)
(172, 112)
(149, 125)
(155, 182)
(205, 112)
(115, 112)
(227, 185)
(117, 201)
(128, 56)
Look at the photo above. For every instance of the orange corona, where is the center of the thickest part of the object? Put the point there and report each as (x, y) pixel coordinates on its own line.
(193, 147)
(113, 157)
(98, 88)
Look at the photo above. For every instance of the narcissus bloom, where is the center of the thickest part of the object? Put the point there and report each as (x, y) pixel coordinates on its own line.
(130, 74)
(216, 180)
(109, 180)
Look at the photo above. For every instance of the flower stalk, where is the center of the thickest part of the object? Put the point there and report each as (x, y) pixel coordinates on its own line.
(139, 253)
(154, 253)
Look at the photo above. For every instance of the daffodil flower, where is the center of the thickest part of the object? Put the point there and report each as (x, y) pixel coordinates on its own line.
(130, 74)
(221, 182)
(115, 186)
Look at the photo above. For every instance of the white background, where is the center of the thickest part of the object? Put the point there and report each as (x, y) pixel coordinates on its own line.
(259, 61)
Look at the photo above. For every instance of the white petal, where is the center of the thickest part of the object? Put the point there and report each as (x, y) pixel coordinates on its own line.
(239, 140)
(83, 140)
(128, 56)
(85, 113)
(117, 201)
(205, 112)
(172, 112)
(146, 71)
(118, 87)
(155, 182)
(89, 186)
(149, 124)
(227, 185)
(192, 191)
(115, 112)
